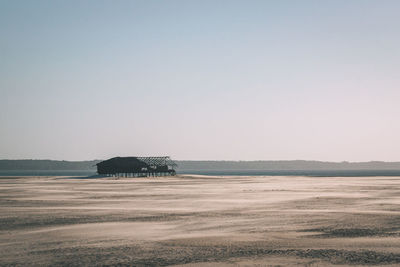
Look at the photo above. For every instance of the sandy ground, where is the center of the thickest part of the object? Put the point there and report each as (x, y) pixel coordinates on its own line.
(200, 221)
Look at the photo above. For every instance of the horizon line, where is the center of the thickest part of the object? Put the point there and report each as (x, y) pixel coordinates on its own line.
(223, 160)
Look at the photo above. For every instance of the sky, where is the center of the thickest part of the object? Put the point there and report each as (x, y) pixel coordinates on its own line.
(200, 80)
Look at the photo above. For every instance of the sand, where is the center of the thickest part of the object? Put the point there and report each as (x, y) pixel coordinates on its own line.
(200, 221)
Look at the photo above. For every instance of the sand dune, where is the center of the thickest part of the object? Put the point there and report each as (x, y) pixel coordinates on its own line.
(200, 221)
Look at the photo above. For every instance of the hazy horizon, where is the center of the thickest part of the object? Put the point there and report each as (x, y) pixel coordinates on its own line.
(207, 160)
(200, 80)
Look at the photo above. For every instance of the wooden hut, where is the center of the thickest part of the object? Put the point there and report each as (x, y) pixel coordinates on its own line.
(137, 166)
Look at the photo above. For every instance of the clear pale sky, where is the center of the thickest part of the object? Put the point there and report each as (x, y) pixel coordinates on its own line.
(224, 80)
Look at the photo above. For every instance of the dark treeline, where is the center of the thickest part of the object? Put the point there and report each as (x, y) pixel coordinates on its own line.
(286, 165)
(209, 165)
(27, 164)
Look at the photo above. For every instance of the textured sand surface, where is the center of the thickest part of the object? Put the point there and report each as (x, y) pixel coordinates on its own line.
(200, 221)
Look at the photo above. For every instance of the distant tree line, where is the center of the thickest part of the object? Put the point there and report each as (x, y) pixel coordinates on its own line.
(47, 165)
(286, 165)
(209, 165)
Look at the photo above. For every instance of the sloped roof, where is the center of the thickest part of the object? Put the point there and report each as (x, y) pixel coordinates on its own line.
(158, 161)
(139, 161)
(118, 161)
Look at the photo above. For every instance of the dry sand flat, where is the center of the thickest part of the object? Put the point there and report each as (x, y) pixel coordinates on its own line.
(200, 221)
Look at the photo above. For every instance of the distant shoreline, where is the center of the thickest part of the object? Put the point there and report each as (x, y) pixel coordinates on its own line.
(308, 173)
(221, 168)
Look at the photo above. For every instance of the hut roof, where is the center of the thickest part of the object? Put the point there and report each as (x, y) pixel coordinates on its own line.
(123, 161)
(158, 161)
(135, 165)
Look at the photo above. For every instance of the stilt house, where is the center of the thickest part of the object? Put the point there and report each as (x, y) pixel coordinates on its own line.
(137, 166)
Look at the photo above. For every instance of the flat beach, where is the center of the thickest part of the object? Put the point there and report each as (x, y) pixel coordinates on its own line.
(192, 220)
